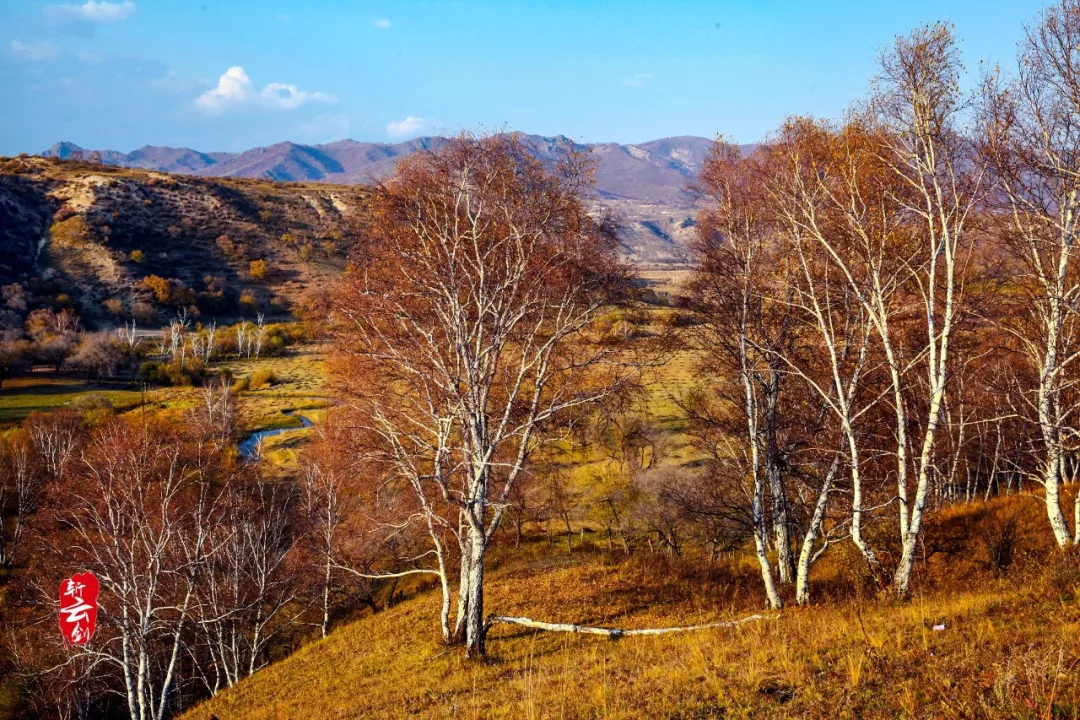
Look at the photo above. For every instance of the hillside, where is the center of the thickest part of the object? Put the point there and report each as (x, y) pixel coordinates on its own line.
(93, 232)
(972, 643)
(646, 184)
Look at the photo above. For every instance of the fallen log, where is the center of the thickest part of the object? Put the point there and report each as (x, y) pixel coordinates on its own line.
(612, 633)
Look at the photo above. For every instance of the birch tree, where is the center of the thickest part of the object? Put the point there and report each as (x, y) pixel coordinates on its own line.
(918, 102)
(142, 513)
(768, 245)
(838, 203)
(742, 333)
(812, 171)
(56, 437)
(22, 482)
(249, 592)
(462, 331)
(1030, 135)
(349, 538)
(891, 214)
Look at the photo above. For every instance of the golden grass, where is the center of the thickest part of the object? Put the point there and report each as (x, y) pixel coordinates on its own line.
(1009, 648)
(666, 280)
(298, 386)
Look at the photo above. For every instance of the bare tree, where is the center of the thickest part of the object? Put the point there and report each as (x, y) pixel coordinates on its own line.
(98, 355)
(56, 437)
(143, 512)
(211, 341)
(742, 330)
(127, 335)
(22, 480)
(918, 101)
(323, 499)
(249, 592)
(16, 354)
(177, 346)
(462, 331)
(837, 201)
(260, 333)
(216, 414)
(1031, 138)
(353, 543)
(816, 175)
(242, 339)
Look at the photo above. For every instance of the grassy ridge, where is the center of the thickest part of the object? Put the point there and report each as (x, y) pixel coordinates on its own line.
(1009, 646)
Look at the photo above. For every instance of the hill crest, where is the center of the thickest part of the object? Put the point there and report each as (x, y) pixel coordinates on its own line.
(668, 163)
(646, 184)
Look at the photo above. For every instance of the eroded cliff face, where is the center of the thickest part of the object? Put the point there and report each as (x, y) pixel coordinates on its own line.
(95, 232)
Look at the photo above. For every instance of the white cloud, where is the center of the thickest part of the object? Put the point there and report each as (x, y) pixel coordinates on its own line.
(637, 79)
(288, 97)
(409, 126)
(381, 23)
(90, 11)
(34, 51)
(235, 89)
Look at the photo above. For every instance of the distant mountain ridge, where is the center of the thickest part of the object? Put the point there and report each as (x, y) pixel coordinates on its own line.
(656, 171)
(646, 184)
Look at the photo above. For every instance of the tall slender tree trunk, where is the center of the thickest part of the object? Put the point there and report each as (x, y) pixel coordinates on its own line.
(465, 579)
(474, 619)
(774, 464)
(767, 578)
(910, 535)
(1076, 519)
(806, 552)
(1050, 425)
(938, 358)
(781, 528)
(326, 596)
(1052, 484)
(757, 509)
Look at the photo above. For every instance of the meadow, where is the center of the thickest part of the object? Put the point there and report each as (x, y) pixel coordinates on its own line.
(978, 638)
(43, 391)
(971, 643)
(292, 384)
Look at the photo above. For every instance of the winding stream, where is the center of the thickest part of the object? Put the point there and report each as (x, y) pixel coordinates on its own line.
(249, 446)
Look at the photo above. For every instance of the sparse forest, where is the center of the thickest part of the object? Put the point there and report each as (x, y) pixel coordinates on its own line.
(831, 469)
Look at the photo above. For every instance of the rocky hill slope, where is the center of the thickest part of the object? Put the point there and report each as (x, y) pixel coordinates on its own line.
(94, 233)
(646, 184)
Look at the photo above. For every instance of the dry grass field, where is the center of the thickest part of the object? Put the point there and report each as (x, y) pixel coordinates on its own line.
(297, 385)
(666, 280)
(970, 643)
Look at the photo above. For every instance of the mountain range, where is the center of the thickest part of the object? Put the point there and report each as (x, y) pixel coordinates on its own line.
(645, 184)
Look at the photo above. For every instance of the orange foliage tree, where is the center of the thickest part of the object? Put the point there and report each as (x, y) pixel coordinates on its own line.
(462, 337)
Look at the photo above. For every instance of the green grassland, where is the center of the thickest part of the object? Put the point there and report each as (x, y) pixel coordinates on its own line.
(297, 386)
(21, 396)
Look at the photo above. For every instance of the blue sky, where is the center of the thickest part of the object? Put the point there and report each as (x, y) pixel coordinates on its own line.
(233, 74)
